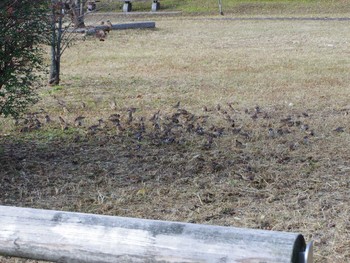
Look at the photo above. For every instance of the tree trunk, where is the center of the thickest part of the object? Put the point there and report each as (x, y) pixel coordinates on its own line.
(54, 78)
(78, 13)
(53, 69)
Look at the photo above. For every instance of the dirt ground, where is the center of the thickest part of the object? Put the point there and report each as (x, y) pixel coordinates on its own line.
(243, 161)
(258, 168)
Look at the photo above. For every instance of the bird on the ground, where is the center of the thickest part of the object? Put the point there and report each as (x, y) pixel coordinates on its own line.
(79, 121)
(63, 123)
(257, 109)
(101, 34)
(109, 26)
(339, 129)
(240, 145)
(130, 117)
(209, 143)
(47, 119)
(114, 118)
(304, 127)
(94, 128)
(155, 116)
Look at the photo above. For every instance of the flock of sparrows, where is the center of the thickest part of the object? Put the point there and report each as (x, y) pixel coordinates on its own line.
(179, 124)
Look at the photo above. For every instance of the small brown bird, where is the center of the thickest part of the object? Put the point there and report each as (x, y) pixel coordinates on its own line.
(339, 129)
(94, 128)
(101, 35)
(257, 109)
(64, 125)
(293, 146)
(79, 121)
(240, 145)
(47, 119)
(236, 130)
(114, 117)
(254, 116)
(130, 117)
(142, 125)
(209, 143)
(304, 127)
(62, 121)
(155, 116)
(109, 26)
(37, 123)
(119, 127)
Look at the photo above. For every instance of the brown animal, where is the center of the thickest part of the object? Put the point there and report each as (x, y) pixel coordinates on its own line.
(101, 35)
(109, 26)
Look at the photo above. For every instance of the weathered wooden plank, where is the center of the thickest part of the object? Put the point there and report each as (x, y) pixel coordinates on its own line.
(77, 237)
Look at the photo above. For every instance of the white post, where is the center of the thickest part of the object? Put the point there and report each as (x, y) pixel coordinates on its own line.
(76, 237)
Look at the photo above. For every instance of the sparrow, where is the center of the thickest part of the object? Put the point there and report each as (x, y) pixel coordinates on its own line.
(64, 125)
(293, 146)
(114, 117)
(240, 145)
(254, 116)
(304, 127)
(257, 109)
(130, 117)
(47, 119)
(79, 121)
(339, 129)
(155, 116)
(62, 121)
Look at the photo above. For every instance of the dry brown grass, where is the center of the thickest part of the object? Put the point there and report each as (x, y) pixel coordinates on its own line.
(297, 180)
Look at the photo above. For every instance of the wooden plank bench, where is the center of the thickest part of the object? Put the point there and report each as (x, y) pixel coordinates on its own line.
(76, 237)
(127, 6)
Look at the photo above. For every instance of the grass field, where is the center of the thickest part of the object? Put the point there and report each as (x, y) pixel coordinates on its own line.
(260, 138)
(239, 7)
